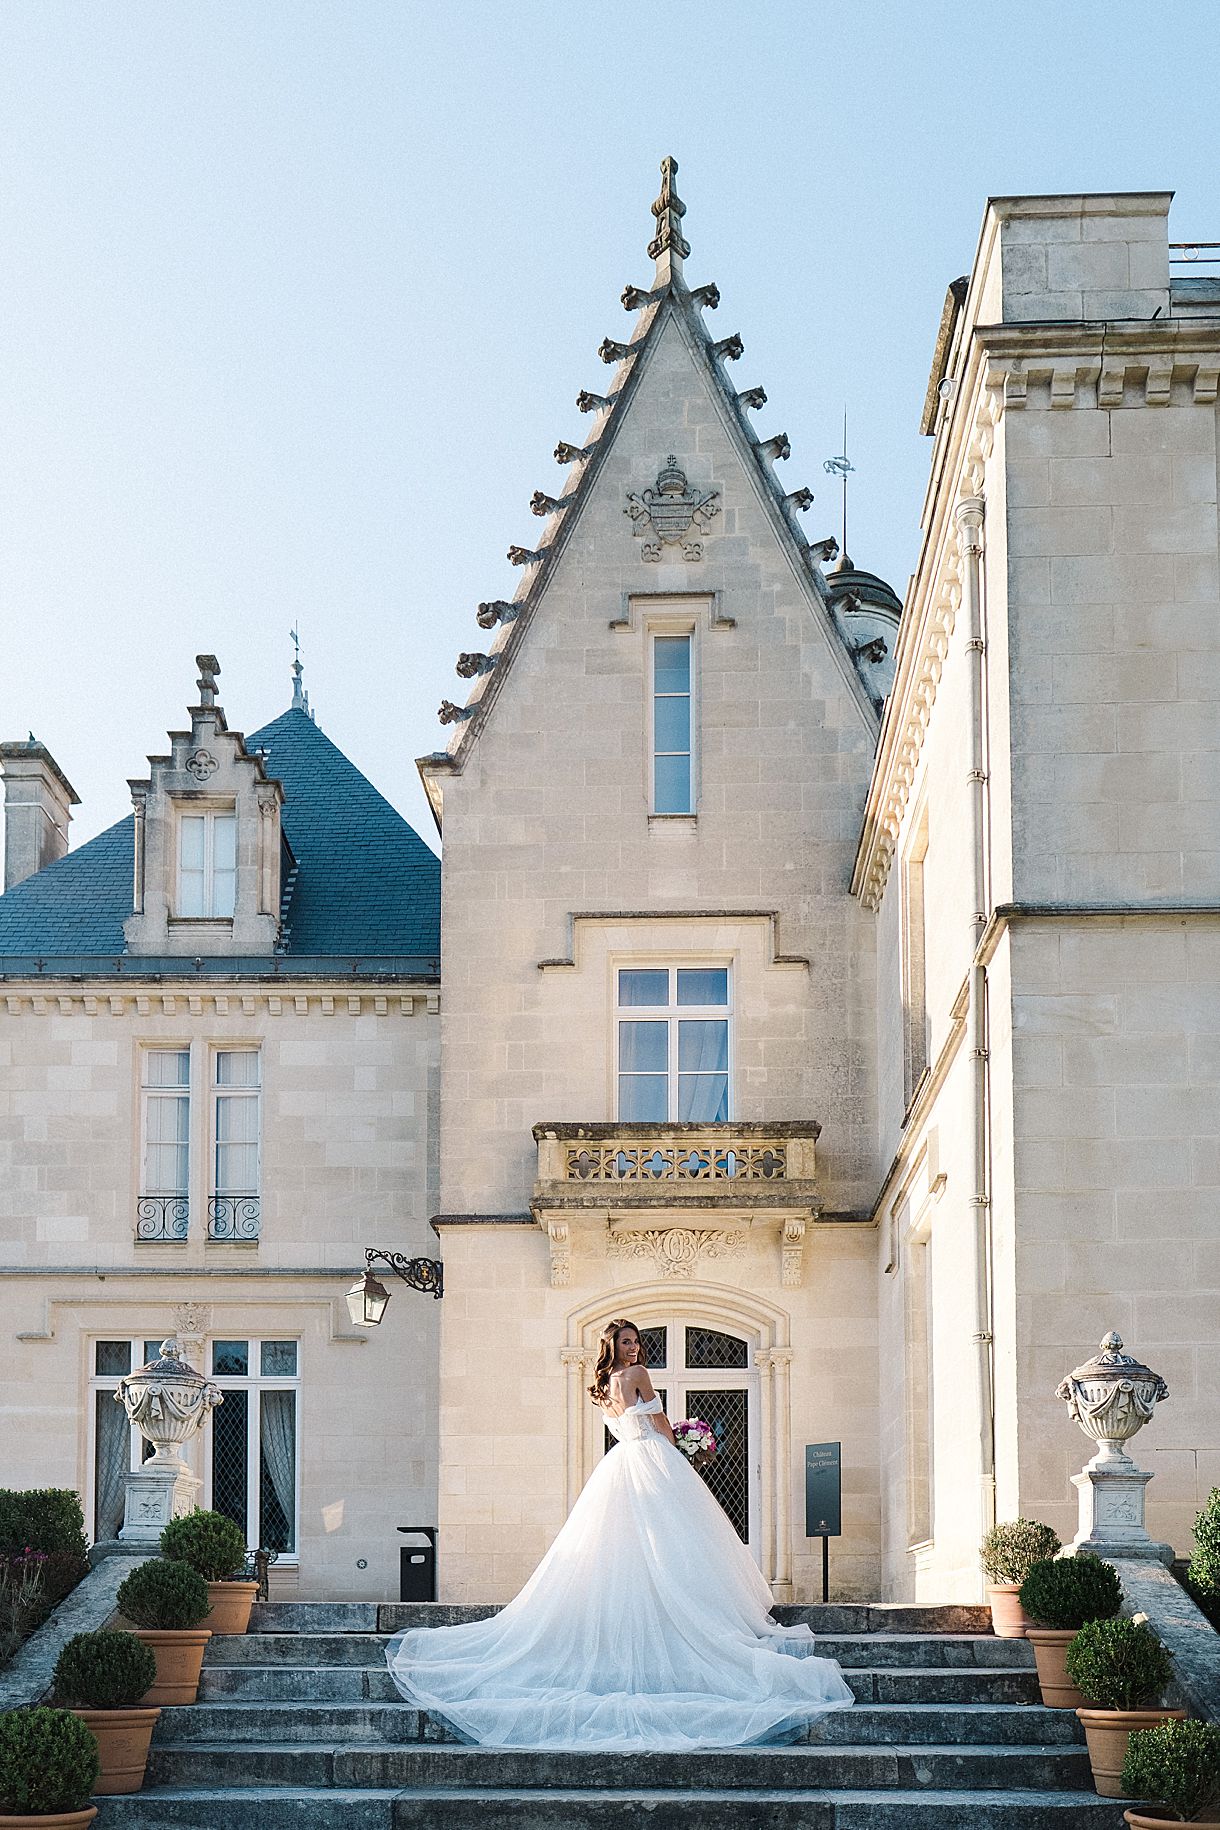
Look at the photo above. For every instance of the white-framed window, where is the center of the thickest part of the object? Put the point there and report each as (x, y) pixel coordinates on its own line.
(673, 1043)
(672, 789)
(253, 1467)
(234, 1196)
(165, 1097)
(207, 863)
(115, 1446)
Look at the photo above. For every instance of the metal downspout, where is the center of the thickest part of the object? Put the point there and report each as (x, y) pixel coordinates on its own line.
(969, 517)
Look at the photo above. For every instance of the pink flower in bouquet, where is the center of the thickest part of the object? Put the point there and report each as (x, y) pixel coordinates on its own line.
(696, 1440)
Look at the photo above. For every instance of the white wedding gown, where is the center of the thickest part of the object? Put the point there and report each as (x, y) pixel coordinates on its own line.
(646, 1625)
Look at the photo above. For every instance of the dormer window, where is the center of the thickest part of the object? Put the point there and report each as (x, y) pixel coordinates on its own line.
(207, 864)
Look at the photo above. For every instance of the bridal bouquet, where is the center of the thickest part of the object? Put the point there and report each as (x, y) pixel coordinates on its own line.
(696, 1441)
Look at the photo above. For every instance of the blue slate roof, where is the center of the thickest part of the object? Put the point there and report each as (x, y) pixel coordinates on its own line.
(366, 884)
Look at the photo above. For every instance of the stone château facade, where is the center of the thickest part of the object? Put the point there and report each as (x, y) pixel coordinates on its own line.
(832, 985)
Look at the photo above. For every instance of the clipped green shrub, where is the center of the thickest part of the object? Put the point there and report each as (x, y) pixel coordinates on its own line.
(105, 1670)
(48, 1763)
(209, 1542)
(1066, 1592)
(1203, 1571)
(1118, 1664)
(161, 1596)
(43, 1518)
(1177, 1764)
(1009, 1551)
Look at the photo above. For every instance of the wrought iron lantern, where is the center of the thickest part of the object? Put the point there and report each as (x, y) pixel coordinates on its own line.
(367, 1298)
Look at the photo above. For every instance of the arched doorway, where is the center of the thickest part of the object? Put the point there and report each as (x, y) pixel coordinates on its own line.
(709, 1373)
(708, 1332)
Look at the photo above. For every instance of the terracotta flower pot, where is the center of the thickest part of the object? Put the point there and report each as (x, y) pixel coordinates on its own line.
(1107, 1732)
(1050, 1646)
(122, 1737)
(231, 1604)
(59, 1820)
(1008, 1618)
(1139, 1820)
(179, 1655)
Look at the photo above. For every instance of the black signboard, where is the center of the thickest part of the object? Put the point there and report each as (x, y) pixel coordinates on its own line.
(823, 1490)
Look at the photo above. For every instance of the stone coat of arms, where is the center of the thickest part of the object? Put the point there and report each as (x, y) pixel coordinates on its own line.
(671, 513)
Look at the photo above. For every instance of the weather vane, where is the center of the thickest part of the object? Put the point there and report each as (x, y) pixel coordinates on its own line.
(841, 467)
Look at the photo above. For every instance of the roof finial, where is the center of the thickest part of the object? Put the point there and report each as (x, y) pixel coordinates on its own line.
(842, 467)
(300, 698)
(669, 246)
(208, 667)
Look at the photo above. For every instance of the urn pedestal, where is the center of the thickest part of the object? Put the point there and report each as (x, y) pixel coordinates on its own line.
(1111, 1397)
(167, 1400)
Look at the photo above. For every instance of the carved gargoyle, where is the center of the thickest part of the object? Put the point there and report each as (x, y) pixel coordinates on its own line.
(470, 665)
(800, 498)
(449, 713)
(708, 296)
(570, 454)
(635, 298)
(542, 504)
(496, 611)
(823, 551)
(729, 349)
(753, 398)
(777, 447)
(590, 403)
(874, 650)
(523, 556)
(610, 351)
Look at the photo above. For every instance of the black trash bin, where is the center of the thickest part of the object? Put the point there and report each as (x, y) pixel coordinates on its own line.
(417, 1564)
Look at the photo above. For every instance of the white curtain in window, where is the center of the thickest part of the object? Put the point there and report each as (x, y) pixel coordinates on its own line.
(237, 1122)
(279, 1449)
(703, 1062)
(224, 863)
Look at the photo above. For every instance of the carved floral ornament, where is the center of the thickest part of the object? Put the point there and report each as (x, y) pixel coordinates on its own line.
(677, 1250)
(671, 513)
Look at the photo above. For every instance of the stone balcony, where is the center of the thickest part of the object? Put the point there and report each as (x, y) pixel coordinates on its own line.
(676, 1193)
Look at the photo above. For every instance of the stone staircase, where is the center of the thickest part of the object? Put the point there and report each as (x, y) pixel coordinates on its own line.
(298, 1725)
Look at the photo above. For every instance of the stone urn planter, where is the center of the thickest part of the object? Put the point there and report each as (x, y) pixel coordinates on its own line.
(123, 1737)
(231, 1603)
(1107, 1733)
(1050, 1646)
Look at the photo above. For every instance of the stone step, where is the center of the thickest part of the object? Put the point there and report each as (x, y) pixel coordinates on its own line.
(381, 1767)
(373, 1684)
(456, 1808)
(870, 1724)
(854, 1651)
(396, 1616)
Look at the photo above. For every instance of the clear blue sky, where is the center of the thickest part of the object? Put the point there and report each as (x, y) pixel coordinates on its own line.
(298, 297)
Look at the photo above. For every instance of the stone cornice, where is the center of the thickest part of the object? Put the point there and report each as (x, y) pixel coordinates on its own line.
(197, 1000)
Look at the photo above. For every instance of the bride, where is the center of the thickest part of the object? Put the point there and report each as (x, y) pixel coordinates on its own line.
(646, 1625)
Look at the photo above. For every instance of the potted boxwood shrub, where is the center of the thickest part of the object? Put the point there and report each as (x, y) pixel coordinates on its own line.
(1178, 1764)
(1061, 1595)
(101, 1677)
(214, 1546)
(165, 1603)
(48, 1763)
(1008, 1553)
(1118, 1666)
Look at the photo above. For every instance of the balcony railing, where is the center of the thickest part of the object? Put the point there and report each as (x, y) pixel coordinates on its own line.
(233, 1217)
(674, 1163)
(162, 1216)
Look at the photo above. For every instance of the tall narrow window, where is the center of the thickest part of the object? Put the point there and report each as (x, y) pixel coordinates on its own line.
(162, 1209)
(253, 1455)
(118, 1446)
(207, 864)
(233, 1208)
(914, 959)
(672, 725)
(673, 1047)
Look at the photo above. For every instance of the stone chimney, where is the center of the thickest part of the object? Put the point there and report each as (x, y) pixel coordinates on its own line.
(38, 803)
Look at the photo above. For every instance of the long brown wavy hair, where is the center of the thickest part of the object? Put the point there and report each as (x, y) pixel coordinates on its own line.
(607, 1352)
